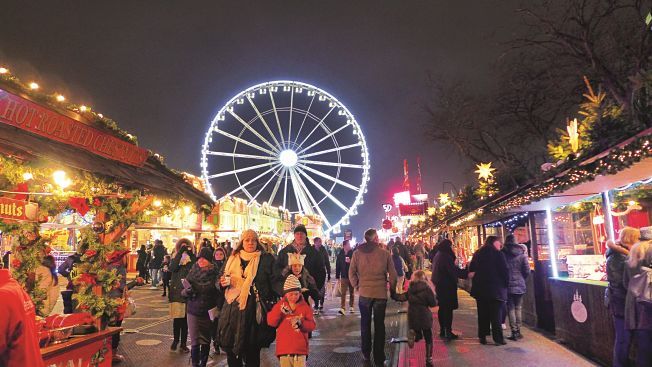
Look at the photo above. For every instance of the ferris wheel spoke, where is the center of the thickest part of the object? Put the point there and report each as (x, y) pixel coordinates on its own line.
(276, 186)
(324, 191)
(246, 125)
(320, 123)
(329, 177)
(245, 142)
(291, 107)
(330, 150)
(285, 190)
(278, 122)
(332, 164)
(262, 119)
(314, 202)
(295, 188)
(306, 116)
(303, 196)
(243, 186)
(332, 133)
(276, 170)
(245, 169)
(238, 155)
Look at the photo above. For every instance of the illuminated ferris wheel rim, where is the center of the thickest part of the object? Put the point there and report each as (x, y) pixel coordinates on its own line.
(289, 156)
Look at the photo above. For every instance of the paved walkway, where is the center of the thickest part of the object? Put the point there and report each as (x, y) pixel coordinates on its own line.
(336, 342)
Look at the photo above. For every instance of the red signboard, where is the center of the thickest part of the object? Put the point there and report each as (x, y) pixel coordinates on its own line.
(17, 210)
(413, 209)
(36, 119)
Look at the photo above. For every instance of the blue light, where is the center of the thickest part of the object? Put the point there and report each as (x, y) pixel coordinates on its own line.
(551, 244)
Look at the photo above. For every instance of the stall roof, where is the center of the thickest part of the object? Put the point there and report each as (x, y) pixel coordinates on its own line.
(28, 144)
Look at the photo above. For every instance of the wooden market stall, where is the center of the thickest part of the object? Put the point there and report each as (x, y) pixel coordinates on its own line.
(57, 157)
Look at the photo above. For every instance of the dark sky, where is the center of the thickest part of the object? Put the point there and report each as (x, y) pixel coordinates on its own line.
(162, 69)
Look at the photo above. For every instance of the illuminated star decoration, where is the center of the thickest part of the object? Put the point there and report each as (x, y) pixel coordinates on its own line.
(573, 135)
(444, 198)
(484, 171)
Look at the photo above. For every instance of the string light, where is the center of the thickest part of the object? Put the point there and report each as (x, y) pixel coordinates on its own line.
(83, 108)
(4, 70)
(33, 86)
(27, 176)
(60, 98)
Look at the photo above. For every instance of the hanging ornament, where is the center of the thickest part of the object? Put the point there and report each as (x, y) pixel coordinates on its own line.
(98, 227)
(573, 135)
(484, 171)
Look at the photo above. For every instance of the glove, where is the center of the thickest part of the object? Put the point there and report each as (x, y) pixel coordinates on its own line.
(285, 309)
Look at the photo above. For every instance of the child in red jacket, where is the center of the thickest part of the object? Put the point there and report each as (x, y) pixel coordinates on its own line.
(293, 320)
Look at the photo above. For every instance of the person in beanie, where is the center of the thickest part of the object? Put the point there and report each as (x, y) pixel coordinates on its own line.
(295, 267)
(200, 290)
(313, 261)
(293, 321)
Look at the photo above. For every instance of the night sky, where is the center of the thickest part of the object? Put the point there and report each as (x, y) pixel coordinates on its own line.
(163, 69)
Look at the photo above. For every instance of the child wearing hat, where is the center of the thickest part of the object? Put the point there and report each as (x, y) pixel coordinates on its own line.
(293, 320)
(296, 267)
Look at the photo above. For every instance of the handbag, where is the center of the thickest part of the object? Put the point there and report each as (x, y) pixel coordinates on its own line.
(266, 334)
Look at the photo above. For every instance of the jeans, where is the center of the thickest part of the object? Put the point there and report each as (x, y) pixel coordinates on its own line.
(346, 287)
(155, 276)
(489, 314)
(644, 343)
(622, 341)
(515, 308)
(373, 307)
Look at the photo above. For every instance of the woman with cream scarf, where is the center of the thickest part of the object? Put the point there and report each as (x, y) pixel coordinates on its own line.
(248, 270)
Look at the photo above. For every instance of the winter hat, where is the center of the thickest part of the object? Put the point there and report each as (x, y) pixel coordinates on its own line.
(301, 228)
(206, 253)
(295, 259)
(291, 284)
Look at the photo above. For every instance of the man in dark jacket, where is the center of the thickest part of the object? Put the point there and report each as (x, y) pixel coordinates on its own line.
(489, 288)
(404, 252)
(327, 265)
(155, 265)
(314, 262)
(67, 270)
(342, 264)
(519, 269)
(368, 273)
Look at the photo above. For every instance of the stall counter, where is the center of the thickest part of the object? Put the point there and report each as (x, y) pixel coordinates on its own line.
(84, 350)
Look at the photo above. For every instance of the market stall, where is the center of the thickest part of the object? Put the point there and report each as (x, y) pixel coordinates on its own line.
(69, 178)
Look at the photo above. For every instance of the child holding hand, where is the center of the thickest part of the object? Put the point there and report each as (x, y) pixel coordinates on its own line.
(293, 320)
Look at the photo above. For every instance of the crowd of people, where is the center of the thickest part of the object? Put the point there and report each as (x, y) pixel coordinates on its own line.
(240, 300)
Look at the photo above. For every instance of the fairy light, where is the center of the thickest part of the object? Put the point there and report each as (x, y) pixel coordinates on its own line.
(83, 108)
(60, 98)
(33, 86)
(4, 70)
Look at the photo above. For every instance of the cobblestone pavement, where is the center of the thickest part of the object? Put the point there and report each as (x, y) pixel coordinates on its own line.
(336, 342)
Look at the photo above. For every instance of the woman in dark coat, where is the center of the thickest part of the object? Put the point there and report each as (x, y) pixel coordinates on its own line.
(219, 259)
(201, 293)
(247, 275)
(444, 277)
(489, 288)
(519, 269)
(180, 266)
(638, 316)
(141, 262)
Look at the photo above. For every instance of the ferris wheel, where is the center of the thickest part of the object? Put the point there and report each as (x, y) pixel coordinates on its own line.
(292, 145)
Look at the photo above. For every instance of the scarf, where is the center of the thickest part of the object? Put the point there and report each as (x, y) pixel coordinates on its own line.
(241, 281)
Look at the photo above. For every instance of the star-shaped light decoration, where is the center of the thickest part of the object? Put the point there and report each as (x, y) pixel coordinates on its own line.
(484, 171)
(444, 199)
(573, 135)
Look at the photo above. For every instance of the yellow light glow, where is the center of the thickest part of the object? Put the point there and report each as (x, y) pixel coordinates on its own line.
(187, 210)
(61, 98)
(83, 108)
(27, 176)
(33, 86)
(632, 203)
(157, 203)
(484, 171)
(573, 135)
(444, 198)
(61, 179)
(577, 205)
(4, 70)
(101, 116)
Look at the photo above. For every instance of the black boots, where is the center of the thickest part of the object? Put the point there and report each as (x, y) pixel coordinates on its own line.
(449, 335)
(204, 353)
(429, 362)
(195, 355)
(515, 335)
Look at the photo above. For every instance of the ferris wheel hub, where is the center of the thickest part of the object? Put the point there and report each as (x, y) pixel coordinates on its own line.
(288, 158)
